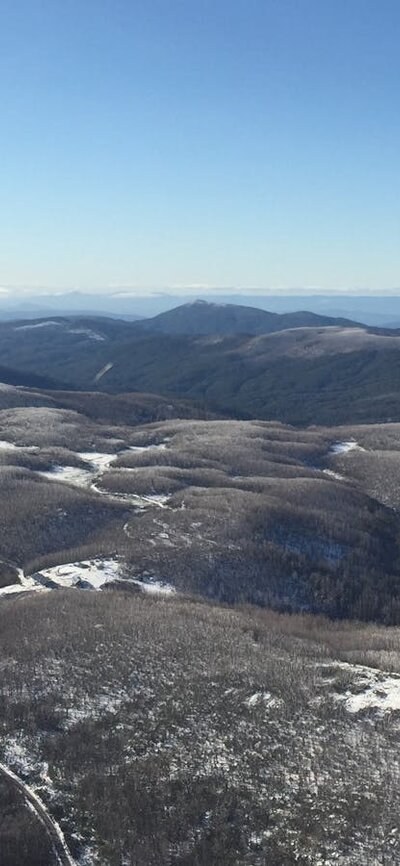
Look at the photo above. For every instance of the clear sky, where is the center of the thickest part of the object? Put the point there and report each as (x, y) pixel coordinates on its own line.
(164, 143)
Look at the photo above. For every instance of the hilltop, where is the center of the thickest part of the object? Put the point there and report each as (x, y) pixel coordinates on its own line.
(300, 375)
(202, 317)
(226, 509)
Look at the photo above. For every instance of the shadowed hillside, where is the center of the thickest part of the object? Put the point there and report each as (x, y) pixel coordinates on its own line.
(300, 376)
(175, 733)
(202, 317)
(231, 510)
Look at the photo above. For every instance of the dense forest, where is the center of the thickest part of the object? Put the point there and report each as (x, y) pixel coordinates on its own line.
(306, 374)
(169, 731)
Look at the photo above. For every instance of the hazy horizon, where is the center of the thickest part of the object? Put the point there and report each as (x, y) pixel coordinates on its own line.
(20, 293)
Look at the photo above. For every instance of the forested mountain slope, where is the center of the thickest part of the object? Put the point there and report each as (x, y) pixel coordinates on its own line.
(231, 510)
(202, 317)
(156, 726)
(303, 375)
(175, 732)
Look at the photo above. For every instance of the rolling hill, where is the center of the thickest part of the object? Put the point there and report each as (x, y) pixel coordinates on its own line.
(165, 731)
(151, 723)
(203, 317)
(300, 375)
(231, 510)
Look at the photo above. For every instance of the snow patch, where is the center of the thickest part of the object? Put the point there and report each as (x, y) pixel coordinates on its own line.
(159, 499)
(262, 698)
(87, 332)
(154, 587)
(69, 475)
(103, 371)
(42, 812)
(10, 446)
(98, 462)
(16, 754)
(92, 572)
(333, 474)
(369, 688)
(343, 447)
(86, 574)
(16, 588)
(97, 459)
(383, 695)
(107, 702)
(48, 324)
(160, 446)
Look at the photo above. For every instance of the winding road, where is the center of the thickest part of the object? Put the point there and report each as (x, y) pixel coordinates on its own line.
(99, 463)
(52, 828)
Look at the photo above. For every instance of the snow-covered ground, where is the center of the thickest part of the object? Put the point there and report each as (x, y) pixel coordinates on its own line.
(69, 475)
(9, 446)
(97, 463)
(97, 459)
(379, 692)
(161, 446)
(369, 689)
(333, 474)
(47, 324)
(264, 698)
(92, 572)
(343, 447)
(159, 499)
(155, 587)
(86, 574)
(16, 588)
(87, 332)
(17, 756)
(95, 573)
(383, 695)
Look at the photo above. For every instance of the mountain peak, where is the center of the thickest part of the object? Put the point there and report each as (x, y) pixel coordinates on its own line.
(207, 318)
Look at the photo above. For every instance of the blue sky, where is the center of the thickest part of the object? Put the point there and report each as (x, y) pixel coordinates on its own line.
(167, 143)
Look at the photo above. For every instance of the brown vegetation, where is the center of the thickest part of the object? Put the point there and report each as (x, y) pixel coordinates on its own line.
(22, 840)
(177, 732)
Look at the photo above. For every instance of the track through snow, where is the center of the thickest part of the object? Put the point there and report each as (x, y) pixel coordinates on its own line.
(53, 829)
(89, 573)
(99, 462)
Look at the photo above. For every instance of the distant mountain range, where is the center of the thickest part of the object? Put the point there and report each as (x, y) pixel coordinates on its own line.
(317, 371)
(381, 310)
(202, 317)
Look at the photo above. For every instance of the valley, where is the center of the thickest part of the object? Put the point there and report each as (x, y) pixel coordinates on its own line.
(297, 368)
(199, 622)
(236, 511)
(199, 433)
